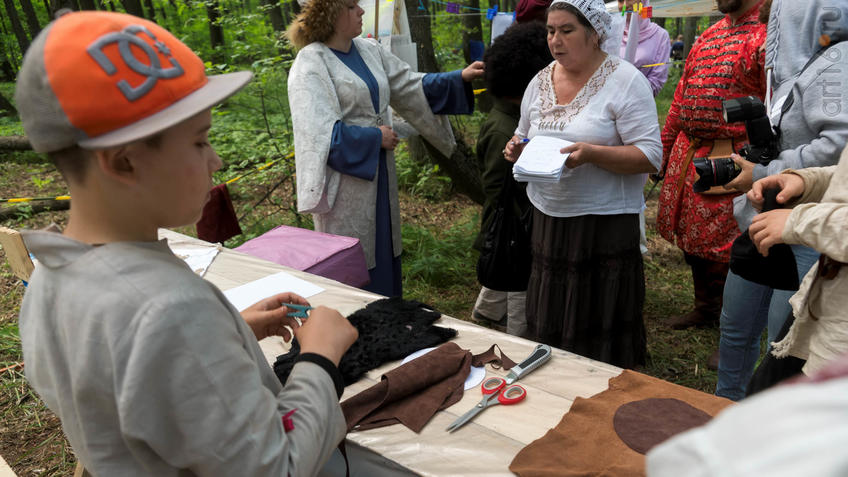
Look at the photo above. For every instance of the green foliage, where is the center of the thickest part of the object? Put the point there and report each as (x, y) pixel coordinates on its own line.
(439, 258)
(666, 95)
(421, 179)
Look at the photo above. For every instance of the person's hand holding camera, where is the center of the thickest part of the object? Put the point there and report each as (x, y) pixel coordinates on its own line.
(745, 179)
(791, 186)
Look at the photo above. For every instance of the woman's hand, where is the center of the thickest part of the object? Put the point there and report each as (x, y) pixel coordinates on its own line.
(767, 229)
(473, 71)
(579, 153)
(791, 186)
(269, 317)
(513, 148)
(390, 138)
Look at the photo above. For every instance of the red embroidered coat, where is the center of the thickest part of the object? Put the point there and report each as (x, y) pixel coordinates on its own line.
(725, 62)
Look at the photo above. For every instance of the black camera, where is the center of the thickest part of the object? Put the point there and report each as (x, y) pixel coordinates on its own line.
(762, 145)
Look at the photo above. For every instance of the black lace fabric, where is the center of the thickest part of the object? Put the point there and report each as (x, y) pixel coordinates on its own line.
(389, 329)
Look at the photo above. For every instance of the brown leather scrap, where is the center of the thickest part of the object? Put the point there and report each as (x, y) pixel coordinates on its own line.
(585, 441)
(413, 392)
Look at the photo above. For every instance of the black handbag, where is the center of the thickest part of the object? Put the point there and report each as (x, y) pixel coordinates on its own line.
(504, 263)
(777, 270)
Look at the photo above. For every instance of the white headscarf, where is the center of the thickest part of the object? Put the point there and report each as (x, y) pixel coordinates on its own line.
(609, 30)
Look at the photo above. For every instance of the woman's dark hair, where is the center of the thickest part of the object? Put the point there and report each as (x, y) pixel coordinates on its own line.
(574, 11)
(514, 58)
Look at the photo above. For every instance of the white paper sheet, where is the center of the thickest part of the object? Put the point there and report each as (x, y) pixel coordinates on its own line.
(245, 295)
(541, 160)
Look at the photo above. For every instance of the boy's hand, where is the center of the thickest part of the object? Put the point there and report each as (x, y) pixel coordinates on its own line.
(326, 332)
(268, 317)
(790, 185)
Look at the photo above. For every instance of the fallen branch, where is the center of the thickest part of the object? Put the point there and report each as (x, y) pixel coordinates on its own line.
(34, 208)
(13, 367)
(14, 143)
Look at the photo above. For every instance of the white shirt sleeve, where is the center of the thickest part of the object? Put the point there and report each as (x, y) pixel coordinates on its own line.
(791, 430)
(636, 119)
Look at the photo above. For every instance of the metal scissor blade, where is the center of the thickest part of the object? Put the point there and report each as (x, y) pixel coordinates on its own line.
(465, 417)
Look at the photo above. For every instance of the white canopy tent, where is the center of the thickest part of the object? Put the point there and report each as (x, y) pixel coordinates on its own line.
(677, 8)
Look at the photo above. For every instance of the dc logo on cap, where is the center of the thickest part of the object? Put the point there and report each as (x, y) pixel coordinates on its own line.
(153, 71)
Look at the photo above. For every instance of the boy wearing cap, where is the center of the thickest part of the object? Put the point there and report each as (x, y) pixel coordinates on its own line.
(149, 368)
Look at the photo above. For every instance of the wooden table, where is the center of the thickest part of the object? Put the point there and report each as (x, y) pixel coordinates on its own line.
(485, 446)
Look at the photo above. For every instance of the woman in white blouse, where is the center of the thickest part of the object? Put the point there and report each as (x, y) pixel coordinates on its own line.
(587, 285)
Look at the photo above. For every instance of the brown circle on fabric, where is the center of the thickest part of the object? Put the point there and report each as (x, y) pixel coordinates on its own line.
(643, 424)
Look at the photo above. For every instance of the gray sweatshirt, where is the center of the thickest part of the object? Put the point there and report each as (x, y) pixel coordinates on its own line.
(153, 372)
(815, 129)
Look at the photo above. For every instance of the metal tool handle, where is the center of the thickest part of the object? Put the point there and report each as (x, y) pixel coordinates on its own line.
(540, 354)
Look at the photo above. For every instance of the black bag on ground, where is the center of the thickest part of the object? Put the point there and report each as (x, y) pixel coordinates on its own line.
(504, 263)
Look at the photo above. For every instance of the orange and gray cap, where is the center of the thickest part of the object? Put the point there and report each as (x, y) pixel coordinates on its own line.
(103, 79)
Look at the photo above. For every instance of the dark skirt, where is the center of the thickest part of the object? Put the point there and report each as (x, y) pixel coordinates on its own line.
(587, 287)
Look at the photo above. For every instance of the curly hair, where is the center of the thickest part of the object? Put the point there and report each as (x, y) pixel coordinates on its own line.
(316, 22)
(514, 58)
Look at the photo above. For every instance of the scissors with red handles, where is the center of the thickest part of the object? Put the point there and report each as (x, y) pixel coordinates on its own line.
(495, 391)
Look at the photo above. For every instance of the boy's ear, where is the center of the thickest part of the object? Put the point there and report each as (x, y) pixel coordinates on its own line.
(116, 163)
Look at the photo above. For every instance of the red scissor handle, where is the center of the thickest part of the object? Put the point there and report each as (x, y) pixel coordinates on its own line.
(508, 394)
(512, 394)
(492, 385)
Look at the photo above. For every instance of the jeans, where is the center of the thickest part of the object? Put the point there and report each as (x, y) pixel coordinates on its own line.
(747, 309)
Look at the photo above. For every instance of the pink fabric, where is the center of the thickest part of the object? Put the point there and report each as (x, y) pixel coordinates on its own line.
(653, 48)
(331, 256)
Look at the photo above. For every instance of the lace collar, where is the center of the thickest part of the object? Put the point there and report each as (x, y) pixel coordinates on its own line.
(558, 116)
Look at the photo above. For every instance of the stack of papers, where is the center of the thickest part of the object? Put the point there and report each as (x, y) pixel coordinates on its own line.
(541, 161)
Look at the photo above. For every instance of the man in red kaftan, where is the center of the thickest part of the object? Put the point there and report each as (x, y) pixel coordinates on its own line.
(725, 62)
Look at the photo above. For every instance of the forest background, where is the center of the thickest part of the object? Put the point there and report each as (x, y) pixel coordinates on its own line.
(252, 133)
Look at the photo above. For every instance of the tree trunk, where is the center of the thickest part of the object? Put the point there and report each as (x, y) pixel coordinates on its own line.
(6, 109)
(690, 27)
(472, 29)
(462, 166)
(87, 5)
(17, 29)
(31, 18)
(7, 68)
(216, 32)
(275, 14)
(35, 208)
(133, 7)
(14, 143)
(419, 30)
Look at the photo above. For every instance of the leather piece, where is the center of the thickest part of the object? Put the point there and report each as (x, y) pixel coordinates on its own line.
(644, 424)
(585, 442)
